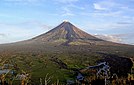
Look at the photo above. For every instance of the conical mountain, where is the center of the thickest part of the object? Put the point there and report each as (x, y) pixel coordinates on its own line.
(64, 38)
(66, 34)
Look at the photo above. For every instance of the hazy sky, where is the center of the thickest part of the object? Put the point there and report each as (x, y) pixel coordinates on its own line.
(109, 19)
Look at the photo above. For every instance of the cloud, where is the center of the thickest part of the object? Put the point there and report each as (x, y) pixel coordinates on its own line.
(21, 31)
(109, 25)
(34, 23)
(68, 7)
(106, 5)
(77, 7)
(66, 1)
(124, 23)
(67, 12)
(108, 14)
(125, 38)
(2, 35)
(4, 38)
(39, 1)
(98, 7)
(128, 37)
(111, 8)
(112, 38)
(24, 2)
(101, 26)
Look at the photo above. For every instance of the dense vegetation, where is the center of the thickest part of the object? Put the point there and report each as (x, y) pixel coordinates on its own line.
(40, 64)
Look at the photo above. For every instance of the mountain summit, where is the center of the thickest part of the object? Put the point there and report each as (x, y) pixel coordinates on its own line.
(66, 34)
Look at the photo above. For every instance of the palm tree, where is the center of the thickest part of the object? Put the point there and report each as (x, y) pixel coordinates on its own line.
(47, 79)
(25, 78)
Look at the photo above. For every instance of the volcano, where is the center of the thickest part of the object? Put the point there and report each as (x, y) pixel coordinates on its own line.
(68, 34)
(64, 37)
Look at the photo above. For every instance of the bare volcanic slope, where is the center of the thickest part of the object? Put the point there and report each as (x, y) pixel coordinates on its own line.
(68, 34)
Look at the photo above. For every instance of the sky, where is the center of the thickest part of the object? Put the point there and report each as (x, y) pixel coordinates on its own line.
(111, 20)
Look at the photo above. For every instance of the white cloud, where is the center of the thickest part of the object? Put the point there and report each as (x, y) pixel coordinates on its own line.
(107, 14)
(105, 26)
(75, 6)
(68, 7)
(22, 0)
(111, 8)
(21, 31)
(128, 37)
(98, 7)
(67, 12)
(125, 38)
(99, 26)
(66, 1)
(2, 35)
(106, 5)
(39, 1)
(112, 38)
